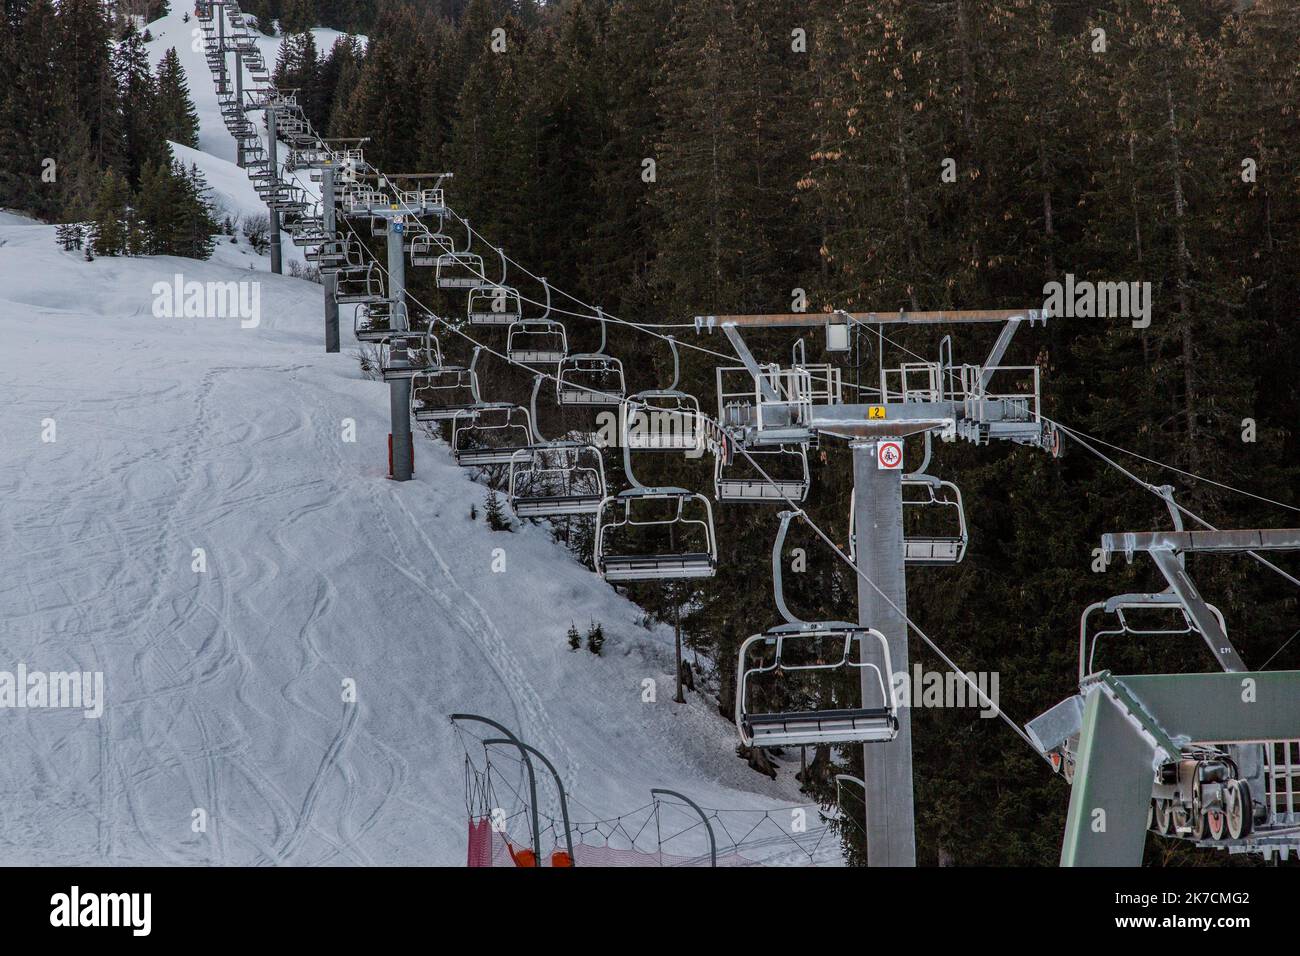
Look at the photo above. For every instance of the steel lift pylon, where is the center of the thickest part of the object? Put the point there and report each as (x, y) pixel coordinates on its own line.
(799, 404)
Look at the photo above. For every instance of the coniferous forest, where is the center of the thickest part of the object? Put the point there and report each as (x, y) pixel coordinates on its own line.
(668, 159)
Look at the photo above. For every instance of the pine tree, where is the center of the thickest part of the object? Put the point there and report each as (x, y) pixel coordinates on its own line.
(158, 208)
(573, 637)
(339, 76)
(495, 512)
(79, 176)
(197, 227)
(175, 116)
(596, 637)
(391, 81)
(86, 85)
(31, 119)
(297, 67)
(109, 227)
(343, 57)
(298, 15)
(138, 92)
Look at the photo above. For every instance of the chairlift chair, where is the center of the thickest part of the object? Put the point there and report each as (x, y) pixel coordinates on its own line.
(786, 466)
(537, 342)
(334, 255)
(595, 380)
(591, 378)
(555, 478)
(460, 269)
(617, 563)
(1120, 608)
(776, 660)
(309, 231)
(494, 303)
(493, 436)
(924, 493)
(285, 198)
(419, 353)
(374, 322)
(665, 419)
(683, 545)
(363, 285)
(446, 393)
(427, 247)
(929, 502)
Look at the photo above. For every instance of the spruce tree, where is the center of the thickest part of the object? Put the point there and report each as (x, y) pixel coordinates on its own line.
(297, 15)
(176, 118)
(596, 638)
(197, 227)
(573, 637)
(86, 85)
(137, 90)
(495, 512)
(109, 215)
(79, 176)
(32, 121)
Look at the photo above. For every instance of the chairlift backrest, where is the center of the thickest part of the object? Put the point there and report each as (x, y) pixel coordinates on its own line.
(1091, 632)
(537, 342)
(492, 437)
(785, 478)
(446, 393)
(557, 479)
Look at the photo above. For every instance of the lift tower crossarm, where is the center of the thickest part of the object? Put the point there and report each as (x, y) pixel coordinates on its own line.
(796, 320)
(1253, 539)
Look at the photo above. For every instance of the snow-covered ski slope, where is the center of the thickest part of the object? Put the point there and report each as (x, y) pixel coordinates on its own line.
(224, 688)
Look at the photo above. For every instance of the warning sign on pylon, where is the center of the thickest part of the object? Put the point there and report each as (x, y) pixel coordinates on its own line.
(889, 455)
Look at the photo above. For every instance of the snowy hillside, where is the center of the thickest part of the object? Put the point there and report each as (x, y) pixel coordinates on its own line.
(173, 31)
(224, 686)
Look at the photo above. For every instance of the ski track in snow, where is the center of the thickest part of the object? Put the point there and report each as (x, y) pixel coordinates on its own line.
(224, 688)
